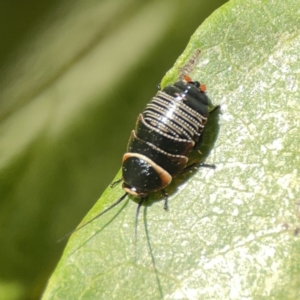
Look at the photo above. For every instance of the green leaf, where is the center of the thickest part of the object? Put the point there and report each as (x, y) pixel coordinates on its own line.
(67, 67)
(231, 233)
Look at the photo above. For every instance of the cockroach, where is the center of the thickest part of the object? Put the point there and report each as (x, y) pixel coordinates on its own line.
(158, 149)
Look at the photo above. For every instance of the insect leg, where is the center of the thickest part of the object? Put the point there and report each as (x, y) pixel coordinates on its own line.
(217, 107)
(166, 196)
(113, 184)
(197, 166)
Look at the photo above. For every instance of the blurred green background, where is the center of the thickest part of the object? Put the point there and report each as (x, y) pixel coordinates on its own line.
(74, 76)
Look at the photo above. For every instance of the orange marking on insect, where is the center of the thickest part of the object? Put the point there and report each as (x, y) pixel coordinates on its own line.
(187, 78)
(202, 87)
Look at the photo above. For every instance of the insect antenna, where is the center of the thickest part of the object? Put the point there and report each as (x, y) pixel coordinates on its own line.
(136, 224)
(94, 218)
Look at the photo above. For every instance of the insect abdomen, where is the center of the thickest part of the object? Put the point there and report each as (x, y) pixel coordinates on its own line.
(164, 135)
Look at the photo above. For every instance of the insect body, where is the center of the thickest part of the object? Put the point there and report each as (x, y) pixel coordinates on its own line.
(164, 135)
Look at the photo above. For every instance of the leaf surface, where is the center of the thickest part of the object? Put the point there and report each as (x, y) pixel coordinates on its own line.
(231, 233)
